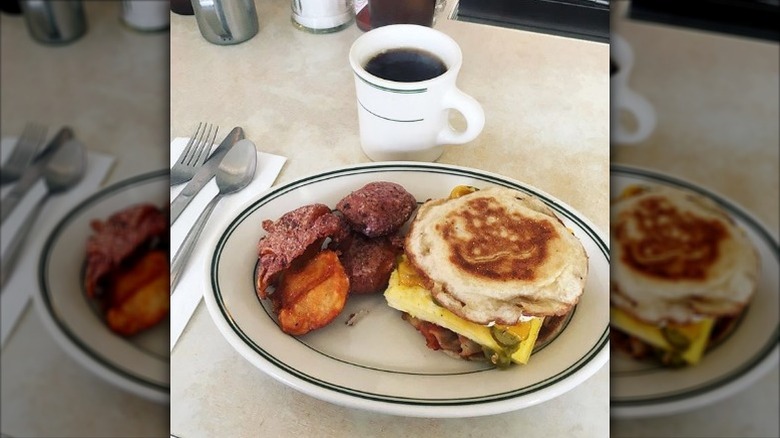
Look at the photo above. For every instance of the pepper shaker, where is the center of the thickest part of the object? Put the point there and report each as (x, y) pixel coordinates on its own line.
(54, 23)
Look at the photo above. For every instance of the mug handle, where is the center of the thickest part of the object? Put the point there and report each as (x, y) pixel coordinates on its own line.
(643, 112)
(471, 111)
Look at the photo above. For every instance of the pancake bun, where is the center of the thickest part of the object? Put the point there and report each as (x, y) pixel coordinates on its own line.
(678, 257)
(497, 256)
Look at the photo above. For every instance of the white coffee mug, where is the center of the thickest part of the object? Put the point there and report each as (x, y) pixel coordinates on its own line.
(625, 99)
(409, 120)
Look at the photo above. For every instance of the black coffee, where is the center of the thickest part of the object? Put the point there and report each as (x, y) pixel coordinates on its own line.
(406, 65)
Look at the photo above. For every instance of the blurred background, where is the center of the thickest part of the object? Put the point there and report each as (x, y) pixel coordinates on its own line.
(105, 75)
(708, 72)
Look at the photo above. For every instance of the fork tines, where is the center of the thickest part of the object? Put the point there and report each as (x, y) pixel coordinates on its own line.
(195, 153)
(195, 156)
(27, 147)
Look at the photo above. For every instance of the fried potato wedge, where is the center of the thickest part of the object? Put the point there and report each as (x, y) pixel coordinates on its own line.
(146, 269)
(312, 294)
(141, 295)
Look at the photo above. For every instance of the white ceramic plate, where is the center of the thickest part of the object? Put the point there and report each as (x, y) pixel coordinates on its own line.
(138, 364)
(641, 389)
(381, 363)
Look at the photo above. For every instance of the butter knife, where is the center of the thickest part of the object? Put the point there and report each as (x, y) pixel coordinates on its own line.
(204, 174)
(33, 173)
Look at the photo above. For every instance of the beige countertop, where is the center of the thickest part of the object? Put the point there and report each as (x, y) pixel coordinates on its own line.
(715, 96)
(111, 87)
(546, 105)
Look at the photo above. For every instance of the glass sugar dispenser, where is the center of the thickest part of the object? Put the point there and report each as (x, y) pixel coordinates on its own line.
(322, 16)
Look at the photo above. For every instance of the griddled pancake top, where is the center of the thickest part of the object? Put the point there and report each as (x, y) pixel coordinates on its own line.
(660, 240)
(486, 240)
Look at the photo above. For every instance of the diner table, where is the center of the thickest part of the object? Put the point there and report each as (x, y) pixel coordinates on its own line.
(111, 87)
(715, 96)
(546, 104)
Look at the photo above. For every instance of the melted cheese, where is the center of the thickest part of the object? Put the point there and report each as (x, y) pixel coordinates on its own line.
(412, 298)
(697, 333)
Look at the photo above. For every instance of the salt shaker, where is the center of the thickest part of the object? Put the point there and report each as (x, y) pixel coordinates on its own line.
(54, 23)
(226, 22)
(322, 16)
(146, 15)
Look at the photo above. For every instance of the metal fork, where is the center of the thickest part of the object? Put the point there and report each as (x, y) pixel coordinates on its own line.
(27, 146)
(194, 154)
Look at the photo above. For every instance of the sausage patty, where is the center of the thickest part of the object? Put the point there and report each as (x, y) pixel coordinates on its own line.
(378, 208)
(369, 262)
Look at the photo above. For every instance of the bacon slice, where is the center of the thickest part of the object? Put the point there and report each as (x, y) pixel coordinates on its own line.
(118, 239)
(440, 338)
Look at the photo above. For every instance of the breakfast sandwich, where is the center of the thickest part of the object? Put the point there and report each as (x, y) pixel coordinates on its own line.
(682, 274)
(488, 274)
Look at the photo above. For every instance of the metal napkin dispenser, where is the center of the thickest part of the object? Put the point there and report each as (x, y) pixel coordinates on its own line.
(226, 22)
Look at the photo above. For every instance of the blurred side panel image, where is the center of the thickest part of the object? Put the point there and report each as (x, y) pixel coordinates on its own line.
(694, 284)
(84, 163)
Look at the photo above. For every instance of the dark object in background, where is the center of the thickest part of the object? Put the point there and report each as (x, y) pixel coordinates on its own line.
(11, 7)
(384, 12)
(750, 18)
(182, 7)
(363, 19)
(583, 19)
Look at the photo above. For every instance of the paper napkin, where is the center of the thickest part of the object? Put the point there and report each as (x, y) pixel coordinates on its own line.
(194, 279)
(22, 282)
